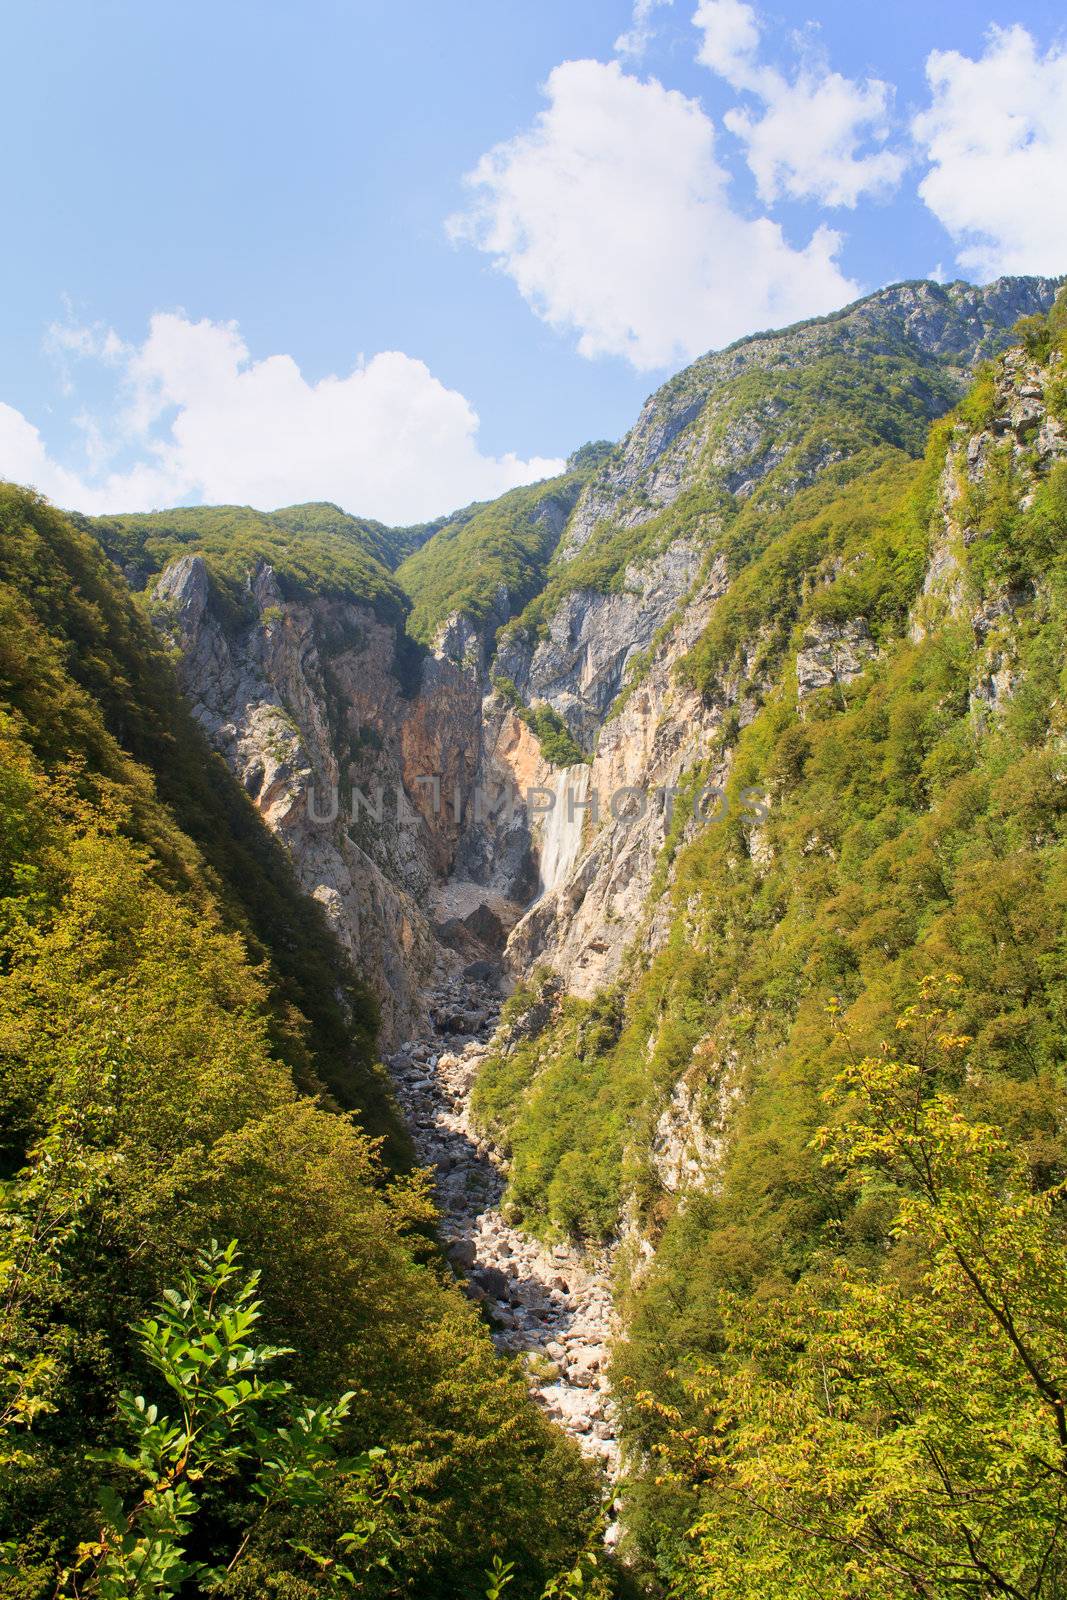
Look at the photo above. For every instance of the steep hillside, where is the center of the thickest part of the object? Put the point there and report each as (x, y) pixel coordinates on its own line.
(877, 696)
(86, 672)
(726, 442)
(315, 549)
(486, 563)
(162, 1090)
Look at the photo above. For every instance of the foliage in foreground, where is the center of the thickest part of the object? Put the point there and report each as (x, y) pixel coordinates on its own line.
(900, 1431)
(159, 1088)
(232, 1432)
(229, 1460)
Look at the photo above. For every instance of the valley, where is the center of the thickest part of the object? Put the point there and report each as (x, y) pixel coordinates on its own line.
(672, 1248)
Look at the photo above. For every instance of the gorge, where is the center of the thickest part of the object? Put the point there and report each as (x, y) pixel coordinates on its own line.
(821, 577)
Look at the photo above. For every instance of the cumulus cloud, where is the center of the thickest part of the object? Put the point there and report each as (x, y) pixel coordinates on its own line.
(197, 419)
(635, 41)
(996, 135)
(731, 35)
(805, 143)
(612, 216)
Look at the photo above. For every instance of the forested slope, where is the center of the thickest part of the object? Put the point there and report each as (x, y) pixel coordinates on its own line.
(488, 561)
(844, 1371)
(177, 1034)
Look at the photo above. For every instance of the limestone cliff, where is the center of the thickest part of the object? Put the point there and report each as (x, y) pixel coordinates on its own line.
(445, 856)
(709, 426)
(304, 702)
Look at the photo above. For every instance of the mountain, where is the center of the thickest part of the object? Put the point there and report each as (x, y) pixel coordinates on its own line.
(732, 752)
(188, 1056)
(554, 593)
(868, 674)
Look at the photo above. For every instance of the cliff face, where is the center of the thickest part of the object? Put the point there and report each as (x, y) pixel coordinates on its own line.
(304, 703)
(447, 858)
(709, 428)
(941, 331)
(579, 665)
(583, 926)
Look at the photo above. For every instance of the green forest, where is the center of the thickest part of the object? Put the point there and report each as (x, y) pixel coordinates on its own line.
(845, 1366)
(233, 1361)
(235, 1358)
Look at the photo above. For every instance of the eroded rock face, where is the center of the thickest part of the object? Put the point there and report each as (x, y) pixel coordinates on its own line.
(303, 703)
(582, 929)
(689, 1137)
(1025, 439)
(833, 654)
(579, 668)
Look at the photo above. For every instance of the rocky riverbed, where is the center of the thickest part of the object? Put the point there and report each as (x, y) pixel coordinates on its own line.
(549, 1305)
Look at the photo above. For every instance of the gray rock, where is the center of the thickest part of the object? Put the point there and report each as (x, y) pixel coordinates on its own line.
(833, 654)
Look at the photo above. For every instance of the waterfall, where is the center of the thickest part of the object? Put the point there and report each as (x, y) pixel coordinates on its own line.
(560, 830)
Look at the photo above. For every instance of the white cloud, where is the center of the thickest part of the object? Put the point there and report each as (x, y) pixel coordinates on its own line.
(996, 134)
(611, 214)
(203, 421)
(24, 458)
(731, 38)
(638, 37)
(805, 143)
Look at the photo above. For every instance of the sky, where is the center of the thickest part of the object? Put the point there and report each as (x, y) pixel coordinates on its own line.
(404, 254)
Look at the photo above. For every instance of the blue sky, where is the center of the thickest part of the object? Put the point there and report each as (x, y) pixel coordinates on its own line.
(288, 181)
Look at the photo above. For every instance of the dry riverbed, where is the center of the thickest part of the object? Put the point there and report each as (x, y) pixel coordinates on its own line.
(549, 1305)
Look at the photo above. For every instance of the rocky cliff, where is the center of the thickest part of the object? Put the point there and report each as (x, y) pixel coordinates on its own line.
(737, 430)
(304, 702)
(443, 857)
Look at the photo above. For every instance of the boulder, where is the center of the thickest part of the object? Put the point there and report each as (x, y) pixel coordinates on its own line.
(493, 1281)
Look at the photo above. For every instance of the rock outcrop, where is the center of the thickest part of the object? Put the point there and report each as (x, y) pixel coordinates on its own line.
(579, 667)
(582, 928)
(1020, 441)
(832, 654)
(302, 700)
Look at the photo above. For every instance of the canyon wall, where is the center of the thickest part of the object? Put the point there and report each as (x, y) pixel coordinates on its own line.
(432, 867)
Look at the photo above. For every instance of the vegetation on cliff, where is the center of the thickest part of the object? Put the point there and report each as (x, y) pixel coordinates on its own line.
(96, 697)
(487, 565)
(178, 1035)
(892, 1427)
(916, 826)
(749, 426)
(314, 549)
